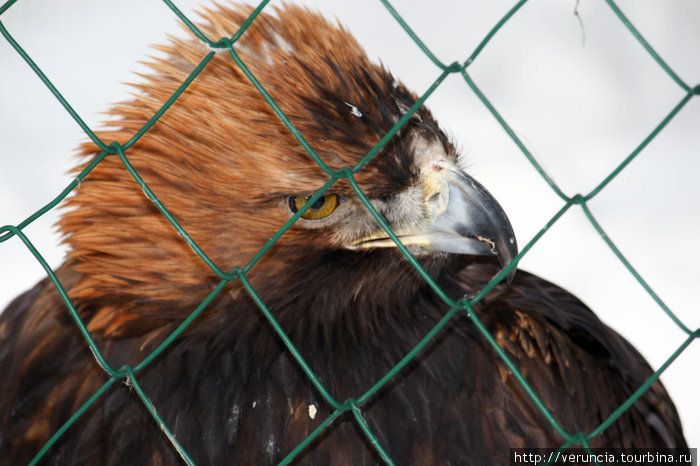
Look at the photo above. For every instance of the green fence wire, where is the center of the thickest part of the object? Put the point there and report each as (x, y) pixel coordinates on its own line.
(129, 374)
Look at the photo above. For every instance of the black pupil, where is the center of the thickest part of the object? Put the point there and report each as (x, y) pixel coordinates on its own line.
(319, 203)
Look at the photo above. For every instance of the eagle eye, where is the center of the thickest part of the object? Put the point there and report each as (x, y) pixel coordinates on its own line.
(322, 208)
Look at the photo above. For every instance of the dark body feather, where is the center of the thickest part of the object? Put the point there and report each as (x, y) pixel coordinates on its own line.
(225, 167)
(240, 398)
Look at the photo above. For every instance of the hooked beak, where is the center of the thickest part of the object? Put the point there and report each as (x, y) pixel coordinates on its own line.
(462, 218)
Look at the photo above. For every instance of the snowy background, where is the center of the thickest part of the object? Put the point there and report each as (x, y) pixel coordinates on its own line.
(567, 76)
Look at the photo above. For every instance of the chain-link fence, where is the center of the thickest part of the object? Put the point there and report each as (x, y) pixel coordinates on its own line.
(460, 68)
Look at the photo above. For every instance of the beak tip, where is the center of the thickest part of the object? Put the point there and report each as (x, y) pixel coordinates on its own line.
(506, 254)
(511, 275)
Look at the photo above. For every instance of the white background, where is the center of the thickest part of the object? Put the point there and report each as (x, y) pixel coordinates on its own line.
(578, 90)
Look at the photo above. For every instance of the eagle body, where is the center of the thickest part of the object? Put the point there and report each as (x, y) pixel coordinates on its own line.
(228, 388)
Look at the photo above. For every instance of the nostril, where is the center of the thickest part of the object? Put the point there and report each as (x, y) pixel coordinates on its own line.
(434, 198)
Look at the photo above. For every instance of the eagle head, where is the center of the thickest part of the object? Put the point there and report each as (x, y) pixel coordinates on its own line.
(232, 174)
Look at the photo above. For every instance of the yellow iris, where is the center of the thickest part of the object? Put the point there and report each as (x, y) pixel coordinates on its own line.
(323, 207)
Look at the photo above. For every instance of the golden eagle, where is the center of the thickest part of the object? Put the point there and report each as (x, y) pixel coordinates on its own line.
(232, 174)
